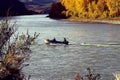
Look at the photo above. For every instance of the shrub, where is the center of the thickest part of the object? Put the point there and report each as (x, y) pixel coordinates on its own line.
(90, 76)
(13, 54)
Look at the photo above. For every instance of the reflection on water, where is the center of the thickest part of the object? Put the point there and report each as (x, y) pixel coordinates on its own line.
(91, 45)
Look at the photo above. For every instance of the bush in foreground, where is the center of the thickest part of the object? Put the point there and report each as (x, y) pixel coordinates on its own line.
(13, 53)
(89, 76)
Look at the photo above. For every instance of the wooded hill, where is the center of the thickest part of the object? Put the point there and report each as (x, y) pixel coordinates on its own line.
(92, 9)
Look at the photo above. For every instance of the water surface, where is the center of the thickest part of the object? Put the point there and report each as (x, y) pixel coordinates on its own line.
(91, 45)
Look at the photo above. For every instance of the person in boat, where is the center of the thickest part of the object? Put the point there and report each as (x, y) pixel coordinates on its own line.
(65, 41)
(54, 40)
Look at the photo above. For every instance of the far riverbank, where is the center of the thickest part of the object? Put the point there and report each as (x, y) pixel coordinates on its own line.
(101, 21)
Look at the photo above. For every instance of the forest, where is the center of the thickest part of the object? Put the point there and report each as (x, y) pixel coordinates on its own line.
(90, 9)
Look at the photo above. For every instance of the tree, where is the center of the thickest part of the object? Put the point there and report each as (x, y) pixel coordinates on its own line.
(56, 11)
(114, 7)
(90, 8)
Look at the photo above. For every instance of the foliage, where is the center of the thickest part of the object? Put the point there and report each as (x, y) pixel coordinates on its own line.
(114, 7)
(91, 8)
(13, 54)
(90, 76)
(56, 11)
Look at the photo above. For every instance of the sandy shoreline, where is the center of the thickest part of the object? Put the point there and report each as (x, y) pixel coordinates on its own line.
(96, 21)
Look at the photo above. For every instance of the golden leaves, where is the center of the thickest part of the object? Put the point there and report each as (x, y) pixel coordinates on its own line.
(91, 8)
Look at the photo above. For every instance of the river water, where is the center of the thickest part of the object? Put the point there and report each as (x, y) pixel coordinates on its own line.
(91, 45)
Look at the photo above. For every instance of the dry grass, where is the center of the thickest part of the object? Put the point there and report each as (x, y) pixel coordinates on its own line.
(117, 75)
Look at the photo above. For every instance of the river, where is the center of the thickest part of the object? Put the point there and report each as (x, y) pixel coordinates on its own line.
(91, 45)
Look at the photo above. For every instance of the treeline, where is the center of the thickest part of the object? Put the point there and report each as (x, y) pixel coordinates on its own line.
(88, 8)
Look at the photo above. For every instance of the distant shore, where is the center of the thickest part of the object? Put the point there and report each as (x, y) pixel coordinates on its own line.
(104, 21)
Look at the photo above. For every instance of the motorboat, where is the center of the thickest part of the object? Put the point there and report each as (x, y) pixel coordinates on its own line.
(54, 41)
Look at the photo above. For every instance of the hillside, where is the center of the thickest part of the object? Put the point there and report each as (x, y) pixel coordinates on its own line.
(88, 9)
(37, 2)
(40, 6)
(12, 8)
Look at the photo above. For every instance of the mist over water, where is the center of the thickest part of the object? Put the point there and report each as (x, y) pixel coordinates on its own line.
(91, 45)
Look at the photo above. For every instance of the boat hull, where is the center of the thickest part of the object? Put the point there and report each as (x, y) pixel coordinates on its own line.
(47, 41)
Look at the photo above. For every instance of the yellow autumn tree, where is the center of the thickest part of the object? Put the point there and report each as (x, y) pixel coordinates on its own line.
(69, 5)
(114, 7)
(93, 9)
(81, 7)
(102, 9)
(75, 7)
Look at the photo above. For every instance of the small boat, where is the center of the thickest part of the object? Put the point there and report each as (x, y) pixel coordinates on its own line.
(54, 41)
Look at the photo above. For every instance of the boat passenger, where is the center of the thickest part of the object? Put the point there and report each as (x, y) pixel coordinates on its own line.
(54, 39)
(65, 40)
